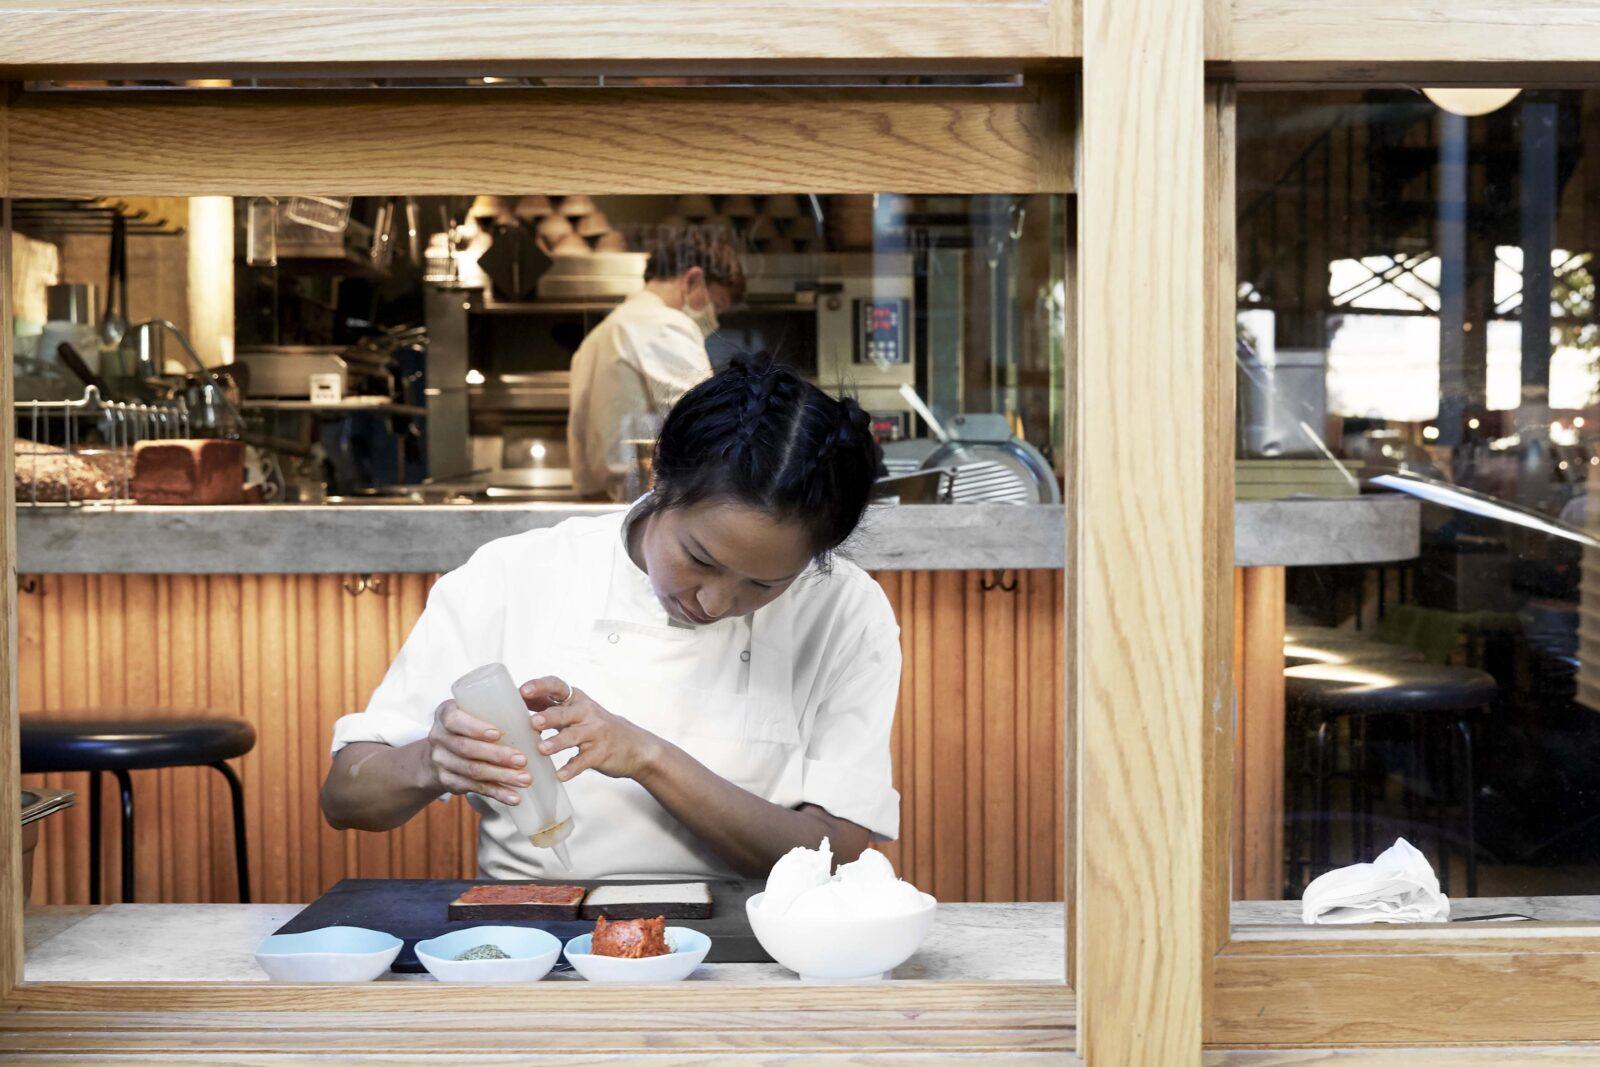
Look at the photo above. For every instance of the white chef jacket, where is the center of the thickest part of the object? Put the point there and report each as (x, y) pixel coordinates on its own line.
(793, 702)
(638, 361)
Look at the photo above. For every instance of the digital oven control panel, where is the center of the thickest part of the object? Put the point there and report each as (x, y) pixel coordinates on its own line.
(881, 337)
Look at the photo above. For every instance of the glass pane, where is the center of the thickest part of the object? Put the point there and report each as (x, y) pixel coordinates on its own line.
(1417, 349)
(423, 353)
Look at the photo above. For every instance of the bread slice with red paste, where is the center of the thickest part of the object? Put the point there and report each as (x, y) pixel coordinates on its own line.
(502, 900)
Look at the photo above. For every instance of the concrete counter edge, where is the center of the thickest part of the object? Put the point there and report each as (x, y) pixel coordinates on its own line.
(378, 539)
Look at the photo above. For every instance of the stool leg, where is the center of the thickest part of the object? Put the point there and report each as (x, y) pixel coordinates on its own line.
(1436, 752)
(1322, 840)
(241, 855)
(1291, 809)
(1362, 788)
(1414, 774)
(94, 837)
(125, 783)
(1469, 805)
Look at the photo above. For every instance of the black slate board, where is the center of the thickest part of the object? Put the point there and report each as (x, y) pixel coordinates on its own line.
(415, 909)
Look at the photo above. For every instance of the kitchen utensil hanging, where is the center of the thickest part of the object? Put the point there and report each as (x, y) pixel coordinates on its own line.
(114, 321)
(382, 252)
(261, 232)
(328, 213)
(414, 230)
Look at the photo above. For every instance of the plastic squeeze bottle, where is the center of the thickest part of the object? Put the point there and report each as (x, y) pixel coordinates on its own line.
(545, 814)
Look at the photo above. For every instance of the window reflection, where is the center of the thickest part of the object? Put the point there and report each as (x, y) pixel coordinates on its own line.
(1417, 314)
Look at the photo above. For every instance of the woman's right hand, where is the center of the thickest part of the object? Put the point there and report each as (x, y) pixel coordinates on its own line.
(465, 758)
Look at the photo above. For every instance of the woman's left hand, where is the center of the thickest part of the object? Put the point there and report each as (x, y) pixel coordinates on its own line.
(606, 742)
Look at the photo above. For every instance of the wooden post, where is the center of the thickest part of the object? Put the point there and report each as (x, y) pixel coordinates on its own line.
(1221, 705)
(10, 769)
(1259, 823)
(1138, 564)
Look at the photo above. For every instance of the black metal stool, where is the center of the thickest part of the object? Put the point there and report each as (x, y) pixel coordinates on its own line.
(1433, 706)
(138, 742)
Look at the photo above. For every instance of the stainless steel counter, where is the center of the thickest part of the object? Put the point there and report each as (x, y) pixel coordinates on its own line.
(419, 538)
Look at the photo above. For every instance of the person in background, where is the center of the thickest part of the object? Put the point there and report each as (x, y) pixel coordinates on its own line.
(646, 354)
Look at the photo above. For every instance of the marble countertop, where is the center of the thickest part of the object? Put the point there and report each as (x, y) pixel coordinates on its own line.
(1270, 914)
(432, 539)
(216, 943)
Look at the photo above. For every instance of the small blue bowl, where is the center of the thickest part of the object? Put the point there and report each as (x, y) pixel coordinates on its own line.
(689, 948)
(331, 954)
(531, 952)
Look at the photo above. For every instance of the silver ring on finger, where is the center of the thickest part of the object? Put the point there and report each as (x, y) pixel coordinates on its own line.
(566, 698)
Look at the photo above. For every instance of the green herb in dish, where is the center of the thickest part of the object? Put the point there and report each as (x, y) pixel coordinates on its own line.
(484, 952)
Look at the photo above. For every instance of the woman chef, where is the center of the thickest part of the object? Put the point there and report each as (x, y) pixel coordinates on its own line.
(718, 692)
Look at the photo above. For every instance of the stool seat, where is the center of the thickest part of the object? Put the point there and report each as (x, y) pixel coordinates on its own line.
(1300, 632)
(1387, 687)
(1347, 650)
(135, 742)
(138, 739)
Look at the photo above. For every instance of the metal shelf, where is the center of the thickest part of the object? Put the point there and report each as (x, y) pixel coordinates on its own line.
(61, 216)
(571, 307)
(376, 406)
(544, 307)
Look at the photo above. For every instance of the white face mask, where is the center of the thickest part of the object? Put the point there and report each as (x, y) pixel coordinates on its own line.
(705, 316)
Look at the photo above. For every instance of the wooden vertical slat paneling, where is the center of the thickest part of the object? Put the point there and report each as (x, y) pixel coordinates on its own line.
(225, 691)
(921, 712)
(976, 743)
(972, 702)
(331, 704)
(996, 612)
(949, 736)
(312, 743)
(1044, 742)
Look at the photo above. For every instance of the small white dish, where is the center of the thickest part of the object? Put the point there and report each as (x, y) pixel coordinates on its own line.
(841, 950)
(689, 948)
(331, 954)
(532, 953)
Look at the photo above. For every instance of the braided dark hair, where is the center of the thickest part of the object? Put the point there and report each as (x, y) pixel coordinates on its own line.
(759, 434)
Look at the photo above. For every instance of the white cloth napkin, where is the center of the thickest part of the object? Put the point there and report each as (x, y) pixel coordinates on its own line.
(1397, 887)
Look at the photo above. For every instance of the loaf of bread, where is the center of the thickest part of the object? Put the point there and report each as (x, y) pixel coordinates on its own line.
(46, 474)
(188, 472)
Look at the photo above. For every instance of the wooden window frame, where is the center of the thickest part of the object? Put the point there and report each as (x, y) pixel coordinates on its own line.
(1380, 986)
(1163, 967)
(999, 140)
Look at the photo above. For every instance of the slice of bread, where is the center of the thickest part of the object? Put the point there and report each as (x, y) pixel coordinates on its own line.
(675, 900)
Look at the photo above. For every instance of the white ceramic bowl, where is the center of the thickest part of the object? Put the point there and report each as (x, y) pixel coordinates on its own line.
(689, 948)
(331, 954)
(533, 952)
(841, 950)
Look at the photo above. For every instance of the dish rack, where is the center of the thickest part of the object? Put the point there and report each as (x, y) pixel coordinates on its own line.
(76, 452)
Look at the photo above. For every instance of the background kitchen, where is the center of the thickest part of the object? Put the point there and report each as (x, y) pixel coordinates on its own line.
(411, 354)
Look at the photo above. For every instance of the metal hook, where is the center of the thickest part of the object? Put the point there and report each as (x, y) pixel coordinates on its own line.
(356, 584)
(29, 584)
(997, 580)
